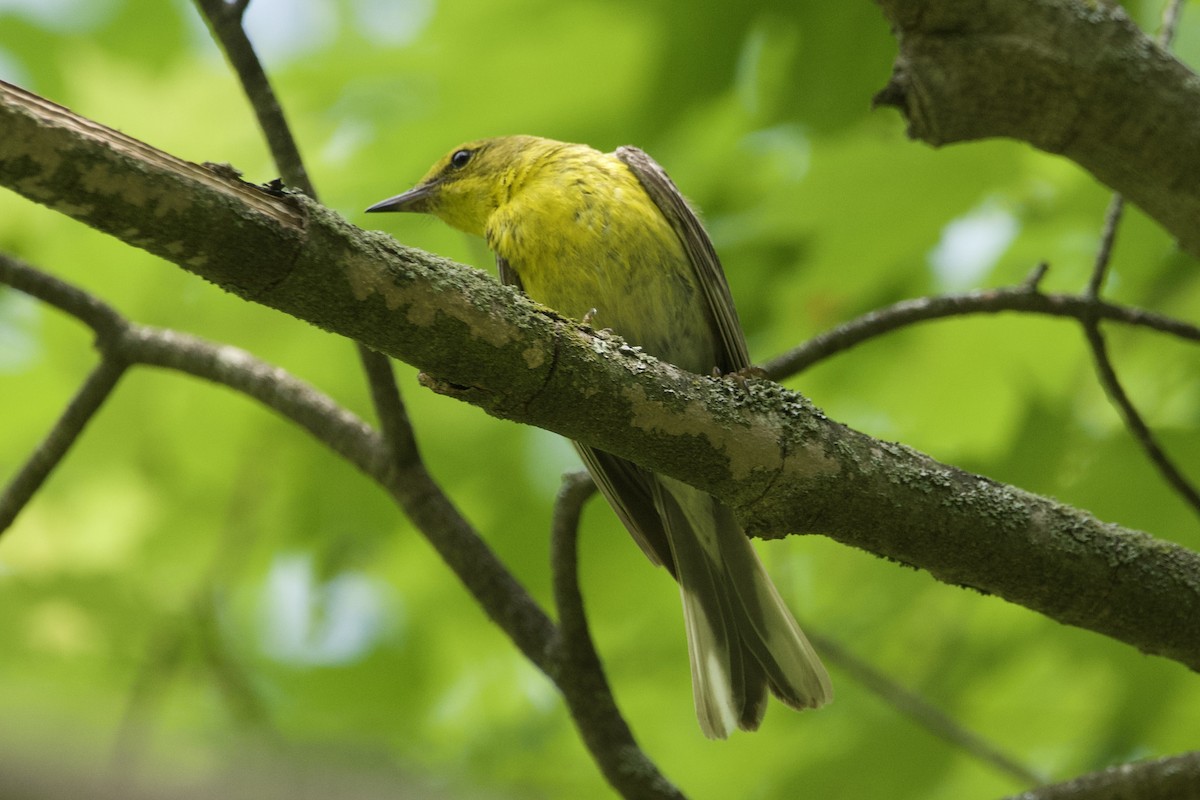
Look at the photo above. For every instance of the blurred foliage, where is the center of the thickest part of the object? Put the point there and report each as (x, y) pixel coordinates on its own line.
(200, 587)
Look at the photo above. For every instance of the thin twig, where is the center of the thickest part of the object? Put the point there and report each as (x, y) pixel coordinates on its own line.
(102, 318)
(1024, 298)
(1170, 778)
(65, 433)
(577, 488)
(96, 388)
(1108, 238)
(1105, 371)
(1133, 420)
(920, 710)
(580, 675)
(225, 21)
(389, 407)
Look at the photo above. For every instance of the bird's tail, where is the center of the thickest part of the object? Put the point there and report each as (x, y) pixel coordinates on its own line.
(741, 637)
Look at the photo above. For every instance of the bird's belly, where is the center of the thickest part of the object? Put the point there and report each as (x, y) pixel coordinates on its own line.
(650, 305)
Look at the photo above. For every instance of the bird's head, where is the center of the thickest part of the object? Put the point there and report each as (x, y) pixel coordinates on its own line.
(470, 182)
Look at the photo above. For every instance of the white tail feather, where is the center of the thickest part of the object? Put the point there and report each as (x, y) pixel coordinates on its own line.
(740, 632)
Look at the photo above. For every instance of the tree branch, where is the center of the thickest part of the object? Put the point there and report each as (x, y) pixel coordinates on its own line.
(581, 675)
(1172, 778)
(99, 384)
(1070, 77)
(225, 21)
(764, 450)
(918, 709)
(1026, 298)
(1107, 374)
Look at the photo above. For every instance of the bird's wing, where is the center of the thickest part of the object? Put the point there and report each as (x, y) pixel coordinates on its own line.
(508, 275)
(700, 252)
(629, 489)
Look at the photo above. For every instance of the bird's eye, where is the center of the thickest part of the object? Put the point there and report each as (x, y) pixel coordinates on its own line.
(460, 158)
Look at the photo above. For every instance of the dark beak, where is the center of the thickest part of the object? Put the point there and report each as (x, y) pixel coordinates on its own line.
(415, 199)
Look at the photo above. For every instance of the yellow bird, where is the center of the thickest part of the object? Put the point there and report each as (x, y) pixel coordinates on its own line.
(607, 236)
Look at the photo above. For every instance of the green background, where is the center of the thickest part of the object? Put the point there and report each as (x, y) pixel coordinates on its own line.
(200, 588)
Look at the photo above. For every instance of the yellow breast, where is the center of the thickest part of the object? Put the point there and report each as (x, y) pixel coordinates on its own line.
(582, 234)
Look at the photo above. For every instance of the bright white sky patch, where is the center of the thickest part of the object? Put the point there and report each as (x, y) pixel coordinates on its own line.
(282, 30)
(971, 245)
(19, 341)
(393, 22)
(307, 621)
(11, 70)
(62, 15)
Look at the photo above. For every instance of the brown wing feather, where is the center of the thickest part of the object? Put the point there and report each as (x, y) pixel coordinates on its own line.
(508, 275)
(629, 490)
(700, 251)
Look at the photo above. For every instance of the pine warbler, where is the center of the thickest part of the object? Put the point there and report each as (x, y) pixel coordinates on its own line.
(609, 237)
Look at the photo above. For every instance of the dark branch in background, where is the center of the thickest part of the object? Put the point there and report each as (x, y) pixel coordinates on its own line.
(1025, 298)
(1171, 778)
(389, 407)
(225, 20)
(1133, 420)
(917, 709)
(1108, 239)
(82, 407)
(1105, 372)
(581, 678)
(78, 413)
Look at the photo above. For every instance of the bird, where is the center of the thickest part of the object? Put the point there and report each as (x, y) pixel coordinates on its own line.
(608, 238)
